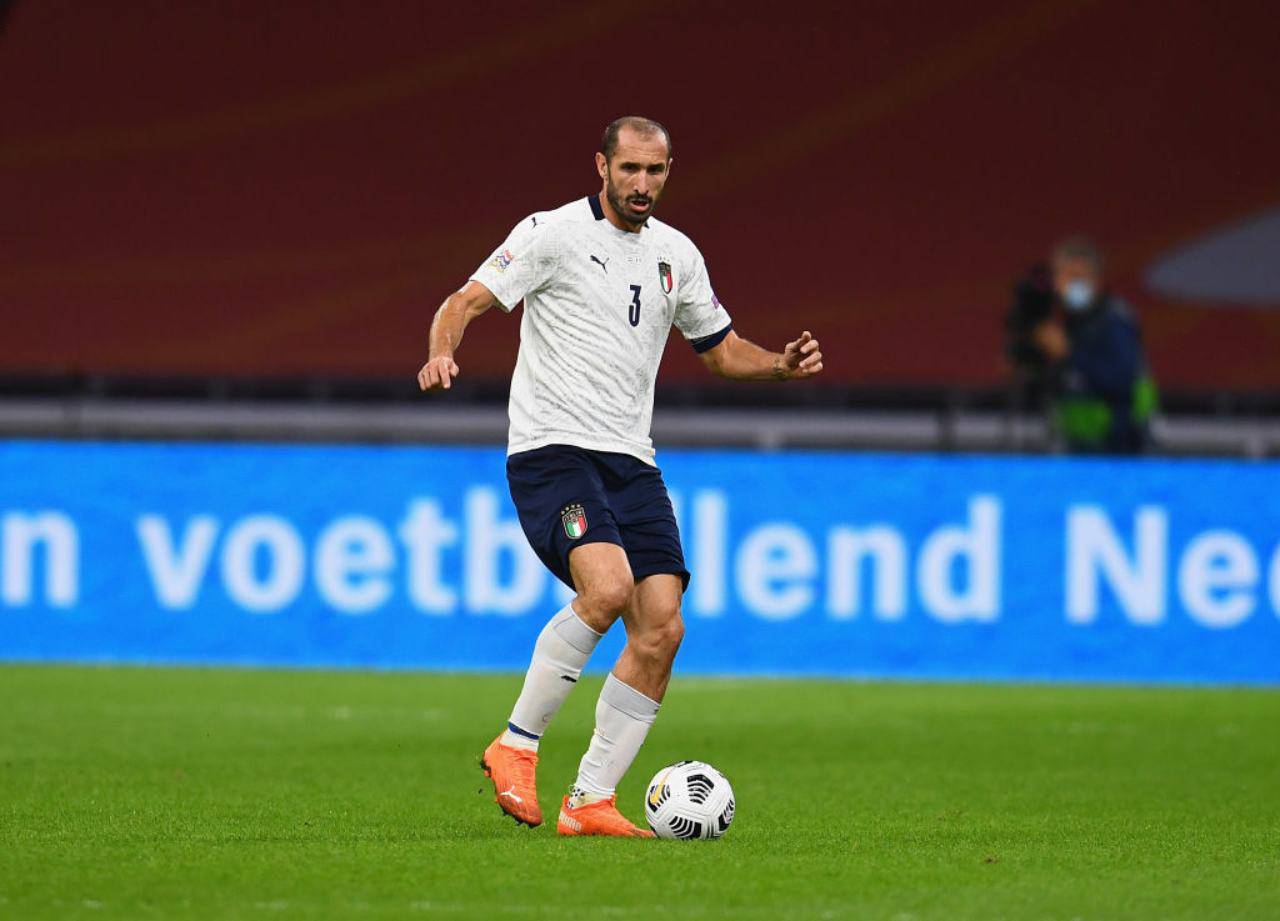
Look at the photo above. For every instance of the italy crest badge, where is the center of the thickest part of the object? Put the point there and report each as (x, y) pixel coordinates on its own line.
(575, 521)
(664, 275)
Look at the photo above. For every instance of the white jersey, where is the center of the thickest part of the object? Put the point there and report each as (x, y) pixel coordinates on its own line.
(599, 304)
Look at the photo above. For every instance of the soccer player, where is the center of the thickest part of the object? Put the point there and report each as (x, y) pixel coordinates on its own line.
(602, 282)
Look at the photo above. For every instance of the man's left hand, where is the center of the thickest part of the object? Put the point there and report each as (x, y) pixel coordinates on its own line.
(801, 358)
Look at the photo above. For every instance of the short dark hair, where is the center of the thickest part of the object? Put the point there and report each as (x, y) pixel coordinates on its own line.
(1079, 246)
(645, 127)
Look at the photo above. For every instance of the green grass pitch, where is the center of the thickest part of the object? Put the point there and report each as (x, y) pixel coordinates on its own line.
(171, 793)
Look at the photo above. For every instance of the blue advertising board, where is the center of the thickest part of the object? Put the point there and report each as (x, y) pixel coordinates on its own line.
(910, 566)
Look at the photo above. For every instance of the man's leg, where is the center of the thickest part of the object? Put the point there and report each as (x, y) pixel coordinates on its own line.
(567, 641)
(627, 707)
(603, 581)
(654, 631)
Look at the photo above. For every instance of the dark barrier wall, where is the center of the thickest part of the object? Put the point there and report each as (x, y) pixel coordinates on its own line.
(290, 189)
(825, 564)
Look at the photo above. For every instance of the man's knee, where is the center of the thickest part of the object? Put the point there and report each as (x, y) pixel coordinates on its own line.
(603, 600)
(661, 637)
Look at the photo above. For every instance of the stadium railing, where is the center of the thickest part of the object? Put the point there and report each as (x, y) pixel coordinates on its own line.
(767, 418)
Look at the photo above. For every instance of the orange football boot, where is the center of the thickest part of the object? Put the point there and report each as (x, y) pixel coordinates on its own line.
(515, 783)
(599, 818)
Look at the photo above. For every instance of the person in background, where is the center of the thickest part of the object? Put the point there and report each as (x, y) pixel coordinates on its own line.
(1077, 346)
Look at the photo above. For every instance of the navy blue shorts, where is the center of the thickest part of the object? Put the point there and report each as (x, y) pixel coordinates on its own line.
(569, 496)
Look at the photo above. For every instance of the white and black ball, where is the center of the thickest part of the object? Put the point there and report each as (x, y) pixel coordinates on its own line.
(689, 799)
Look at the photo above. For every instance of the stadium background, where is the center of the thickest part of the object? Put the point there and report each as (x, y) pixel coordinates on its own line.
(232, 223)
(287, 190)
(225, 228)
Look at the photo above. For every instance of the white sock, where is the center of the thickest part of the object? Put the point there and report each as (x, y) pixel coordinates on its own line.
(623, 718)
(563, 648)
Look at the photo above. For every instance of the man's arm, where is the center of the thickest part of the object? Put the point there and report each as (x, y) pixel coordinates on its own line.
(738, 359)
(458, 309)
(1111, 360)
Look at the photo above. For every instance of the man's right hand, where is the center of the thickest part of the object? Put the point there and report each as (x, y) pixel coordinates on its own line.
(438, 374)
(1051, 338)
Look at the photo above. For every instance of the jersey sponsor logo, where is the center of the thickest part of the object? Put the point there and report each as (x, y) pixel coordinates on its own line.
(596, 259)
(502, 260)
(574, 518)
(664, 275)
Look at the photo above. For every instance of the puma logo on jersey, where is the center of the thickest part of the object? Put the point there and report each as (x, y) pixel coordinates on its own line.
(602, 265)
(512, 793)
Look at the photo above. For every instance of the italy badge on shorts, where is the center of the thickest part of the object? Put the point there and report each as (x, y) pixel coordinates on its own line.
(664, 276)
(574, 518)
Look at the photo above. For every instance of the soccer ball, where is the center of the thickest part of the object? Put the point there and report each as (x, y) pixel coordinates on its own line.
(689, 799)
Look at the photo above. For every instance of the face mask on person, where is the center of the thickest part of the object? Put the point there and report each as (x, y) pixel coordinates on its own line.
(1078, 295)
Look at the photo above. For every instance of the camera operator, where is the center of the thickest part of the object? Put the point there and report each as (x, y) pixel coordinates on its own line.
(1076, 346)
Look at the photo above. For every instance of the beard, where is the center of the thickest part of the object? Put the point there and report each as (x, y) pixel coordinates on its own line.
(621, 207)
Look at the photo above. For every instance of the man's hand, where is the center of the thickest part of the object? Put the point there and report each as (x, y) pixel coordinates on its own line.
(458, 309)
(438, 374)
(1051, 338)
(800, 359)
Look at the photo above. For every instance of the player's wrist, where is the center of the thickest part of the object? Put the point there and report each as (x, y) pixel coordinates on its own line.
(780, 371)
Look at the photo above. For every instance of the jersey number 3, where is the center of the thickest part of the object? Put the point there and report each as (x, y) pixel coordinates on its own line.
(633, 312)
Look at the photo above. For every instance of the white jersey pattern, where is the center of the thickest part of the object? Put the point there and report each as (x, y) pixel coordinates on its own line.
(599, 304)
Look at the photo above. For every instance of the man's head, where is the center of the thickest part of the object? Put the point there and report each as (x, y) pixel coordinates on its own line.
(1077, 266)
(633, 162)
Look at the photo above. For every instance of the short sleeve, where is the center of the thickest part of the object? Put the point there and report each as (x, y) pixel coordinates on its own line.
(522, 264)
(699, 314)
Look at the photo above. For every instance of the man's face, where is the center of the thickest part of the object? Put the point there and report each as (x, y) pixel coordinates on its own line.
(1069, 271)
(636, 174)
